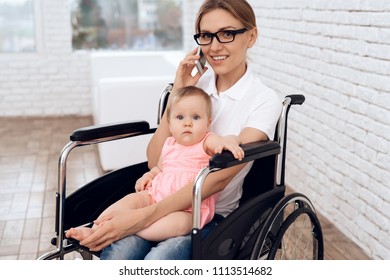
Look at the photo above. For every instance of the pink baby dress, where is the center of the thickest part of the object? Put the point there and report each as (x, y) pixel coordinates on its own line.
(180, 165)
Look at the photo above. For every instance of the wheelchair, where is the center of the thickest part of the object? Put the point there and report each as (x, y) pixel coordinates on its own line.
(268, 224)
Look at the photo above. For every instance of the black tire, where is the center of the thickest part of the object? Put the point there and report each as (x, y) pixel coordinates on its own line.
(299, 237)
(269, 232)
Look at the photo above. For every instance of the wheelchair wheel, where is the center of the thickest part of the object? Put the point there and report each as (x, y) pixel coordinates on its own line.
(298, 237)
(291, 231)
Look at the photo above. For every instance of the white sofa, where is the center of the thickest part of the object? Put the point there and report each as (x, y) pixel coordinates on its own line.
(127, 86)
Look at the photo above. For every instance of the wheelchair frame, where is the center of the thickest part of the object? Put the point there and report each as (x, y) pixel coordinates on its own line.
(269, 218)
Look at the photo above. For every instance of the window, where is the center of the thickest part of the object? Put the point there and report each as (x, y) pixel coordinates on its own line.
(17, 30)
(127, 24)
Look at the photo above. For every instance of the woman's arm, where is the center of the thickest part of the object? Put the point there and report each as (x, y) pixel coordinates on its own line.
(250, 134)
(156, 143)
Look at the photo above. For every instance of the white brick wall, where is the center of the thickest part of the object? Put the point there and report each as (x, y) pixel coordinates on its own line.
(55, 81)
(337, 53)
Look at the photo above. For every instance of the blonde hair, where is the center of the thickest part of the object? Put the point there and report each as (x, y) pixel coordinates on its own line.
(185, 92)
(241, 10)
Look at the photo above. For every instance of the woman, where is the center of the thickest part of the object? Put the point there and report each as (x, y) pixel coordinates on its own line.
(242, 105)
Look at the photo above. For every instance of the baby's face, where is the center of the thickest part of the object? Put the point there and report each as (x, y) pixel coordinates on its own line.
(189, 121)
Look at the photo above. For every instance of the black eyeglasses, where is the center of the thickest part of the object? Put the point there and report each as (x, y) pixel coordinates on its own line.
(223, 36)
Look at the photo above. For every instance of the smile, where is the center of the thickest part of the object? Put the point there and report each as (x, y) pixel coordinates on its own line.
(220, 57)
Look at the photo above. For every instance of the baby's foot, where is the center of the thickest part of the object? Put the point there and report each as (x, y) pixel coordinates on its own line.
(79, 233)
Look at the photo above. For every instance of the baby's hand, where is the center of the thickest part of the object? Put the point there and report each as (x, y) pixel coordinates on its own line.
(144, 182)
(231, 144)
(236, 150)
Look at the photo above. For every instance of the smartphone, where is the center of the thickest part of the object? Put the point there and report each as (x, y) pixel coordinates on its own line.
(201, 62)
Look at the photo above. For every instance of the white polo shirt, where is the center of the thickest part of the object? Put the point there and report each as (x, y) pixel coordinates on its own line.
(248, 103)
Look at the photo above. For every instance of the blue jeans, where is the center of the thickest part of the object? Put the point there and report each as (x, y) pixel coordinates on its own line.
(134, 247)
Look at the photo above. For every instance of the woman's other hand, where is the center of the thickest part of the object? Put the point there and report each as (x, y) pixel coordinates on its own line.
(116, 225)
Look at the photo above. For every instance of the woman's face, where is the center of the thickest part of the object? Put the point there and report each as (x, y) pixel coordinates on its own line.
(227, 59)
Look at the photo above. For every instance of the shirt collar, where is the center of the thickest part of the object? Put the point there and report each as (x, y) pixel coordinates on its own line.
(237, 91)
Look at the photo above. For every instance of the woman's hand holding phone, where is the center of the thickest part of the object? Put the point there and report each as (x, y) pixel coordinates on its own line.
(184, 74)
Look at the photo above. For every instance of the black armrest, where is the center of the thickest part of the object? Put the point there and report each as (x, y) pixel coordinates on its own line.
(253, 150)
(95, 132)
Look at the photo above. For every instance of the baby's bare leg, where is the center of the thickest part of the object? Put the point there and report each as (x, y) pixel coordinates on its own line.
(130, 201)
(174, 224)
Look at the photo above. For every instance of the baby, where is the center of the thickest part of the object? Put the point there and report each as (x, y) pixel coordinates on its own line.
(183, 155)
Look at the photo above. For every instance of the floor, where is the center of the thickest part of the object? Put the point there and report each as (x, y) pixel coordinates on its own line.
(29, 151)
